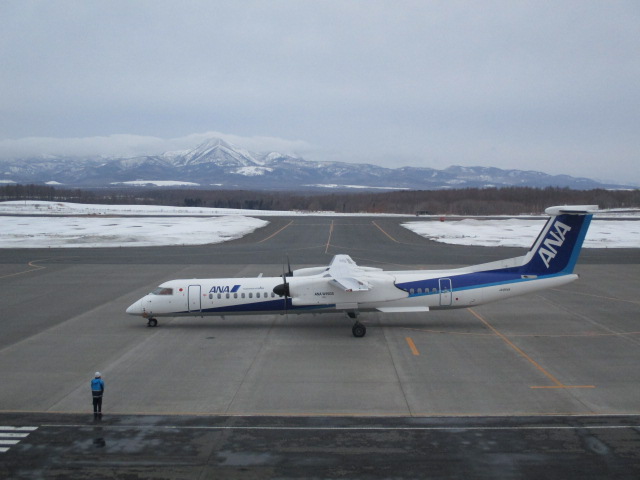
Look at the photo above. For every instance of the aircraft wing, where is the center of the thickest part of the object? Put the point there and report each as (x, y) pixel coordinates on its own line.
(344, 274)
(344, 284)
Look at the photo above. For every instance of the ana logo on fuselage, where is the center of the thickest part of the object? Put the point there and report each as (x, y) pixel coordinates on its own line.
(224, 289)
(555, 239)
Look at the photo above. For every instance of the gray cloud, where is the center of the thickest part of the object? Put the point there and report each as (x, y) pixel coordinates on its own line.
(136, 145)
(550, 86)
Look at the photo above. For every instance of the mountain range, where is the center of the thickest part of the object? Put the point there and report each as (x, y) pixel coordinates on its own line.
(218, 164)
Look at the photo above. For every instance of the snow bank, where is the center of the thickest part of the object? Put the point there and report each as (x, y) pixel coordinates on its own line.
(514, 232)
(135, 225)
(63, 232)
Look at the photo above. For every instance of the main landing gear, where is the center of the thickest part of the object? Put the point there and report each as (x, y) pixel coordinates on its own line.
(358, 329)
(152, 322)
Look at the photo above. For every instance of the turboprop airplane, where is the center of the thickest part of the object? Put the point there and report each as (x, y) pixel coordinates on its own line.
(350, 288)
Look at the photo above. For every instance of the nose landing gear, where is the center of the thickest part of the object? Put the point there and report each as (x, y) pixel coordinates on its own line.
(152, 322)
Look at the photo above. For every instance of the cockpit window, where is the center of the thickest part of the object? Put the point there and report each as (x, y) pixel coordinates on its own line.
(162, 291)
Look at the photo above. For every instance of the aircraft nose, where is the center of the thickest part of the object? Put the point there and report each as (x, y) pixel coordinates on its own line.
(135, 308)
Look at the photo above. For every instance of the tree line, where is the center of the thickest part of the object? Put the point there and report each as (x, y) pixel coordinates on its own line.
(467, 201)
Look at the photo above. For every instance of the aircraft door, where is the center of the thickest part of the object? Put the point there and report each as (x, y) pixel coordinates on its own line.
(195, 299)
(445, 291)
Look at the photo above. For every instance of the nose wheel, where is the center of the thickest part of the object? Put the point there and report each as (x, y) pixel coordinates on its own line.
(359, 330)
(152, 322)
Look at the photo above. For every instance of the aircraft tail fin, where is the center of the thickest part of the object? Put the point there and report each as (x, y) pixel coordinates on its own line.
(558, 245)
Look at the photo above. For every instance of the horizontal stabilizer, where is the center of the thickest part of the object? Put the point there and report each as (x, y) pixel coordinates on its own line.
(402, 309)
(572, 210)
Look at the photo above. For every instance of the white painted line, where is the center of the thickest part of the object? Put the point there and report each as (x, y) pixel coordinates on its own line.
(3, 449)
(360, 428)
(9, 442)
(19, 429)
(13, 435)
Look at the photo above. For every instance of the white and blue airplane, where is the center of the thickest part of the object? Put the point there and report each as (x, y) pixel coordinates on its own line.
(347, 287)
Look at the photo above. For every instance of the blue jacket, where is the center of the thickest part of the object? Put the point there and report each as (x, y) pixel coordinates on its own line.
(97, 387)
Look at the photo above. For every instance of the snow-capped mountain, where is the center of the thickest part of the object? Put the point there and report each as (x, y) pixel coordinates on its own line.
(215, 151)
(223, 165)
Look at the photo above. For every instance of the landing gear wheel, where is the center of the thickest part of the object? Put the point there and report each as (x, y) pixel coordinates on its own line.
(359, 330)
(152, 322)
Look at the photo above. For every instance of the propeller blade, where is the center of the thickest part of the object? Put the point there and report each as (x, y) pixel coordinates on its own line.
(289, 271)
(282, 290)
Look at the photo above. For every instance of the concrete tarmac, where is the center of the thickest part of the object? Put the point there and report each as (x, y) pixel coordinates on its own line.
(562, 352)
(206, 447)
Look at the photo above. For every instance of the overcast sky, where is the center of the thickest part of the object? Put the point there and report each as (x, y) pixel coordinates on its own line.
(551, 86)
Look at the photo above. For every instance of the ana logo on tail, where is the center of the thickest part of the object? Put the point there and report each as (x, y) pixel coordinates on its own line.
(556, 239)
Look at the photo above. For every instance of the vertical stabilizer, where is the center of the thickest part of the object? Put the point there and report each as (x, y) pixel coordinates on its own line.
(558, 246)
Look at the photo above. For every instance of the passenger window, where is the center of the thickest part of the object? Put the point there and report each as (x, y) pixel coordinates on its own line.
(250, 295)
(211, 296)
(419, 290)
(235, 295)
(242, 295)
(219, 296)
(228, 296)
(412, 291)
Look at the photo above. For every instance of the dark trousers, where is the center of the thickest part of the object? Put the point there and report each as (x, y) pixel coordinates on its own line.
(97, 404)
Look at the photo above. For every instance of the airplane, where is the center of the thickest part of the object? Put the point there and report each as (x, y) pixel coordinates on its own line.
(344, 286)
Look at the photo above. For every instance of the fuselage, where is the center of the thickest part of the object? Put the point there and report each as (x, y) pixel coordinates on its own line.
(410, 290)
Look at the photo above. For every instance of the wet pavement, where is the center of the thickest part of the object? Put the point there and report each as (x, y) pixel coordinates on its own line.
(179, 447)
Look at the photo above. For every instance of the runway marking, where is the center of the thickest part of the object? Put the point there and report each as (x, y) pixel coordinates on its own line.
(596, 296)
(412, 346)
(623, 335)
(564, 386)
(436, 414)
(523, 335)
(459, 428)
(380, 228)
(275, 233)
(11, 436)
(558, 383)
(32, 264)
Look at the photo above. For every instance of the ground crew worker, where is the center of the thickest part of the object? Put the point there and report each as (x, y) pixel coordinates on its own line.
(97, 389)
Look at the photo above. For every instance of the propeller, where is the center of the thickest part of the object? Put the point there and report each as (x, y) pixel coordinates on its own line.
(282, 290)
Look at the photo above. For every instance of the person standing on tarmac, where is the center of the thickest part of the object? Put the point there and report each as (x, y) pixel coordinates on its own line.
(97, 390)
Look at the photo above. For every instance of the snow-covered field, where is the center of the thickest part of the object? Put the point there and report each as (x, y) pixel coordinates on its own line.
(43, 232)
(104, 226)
(64, 208)
(514, 232)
